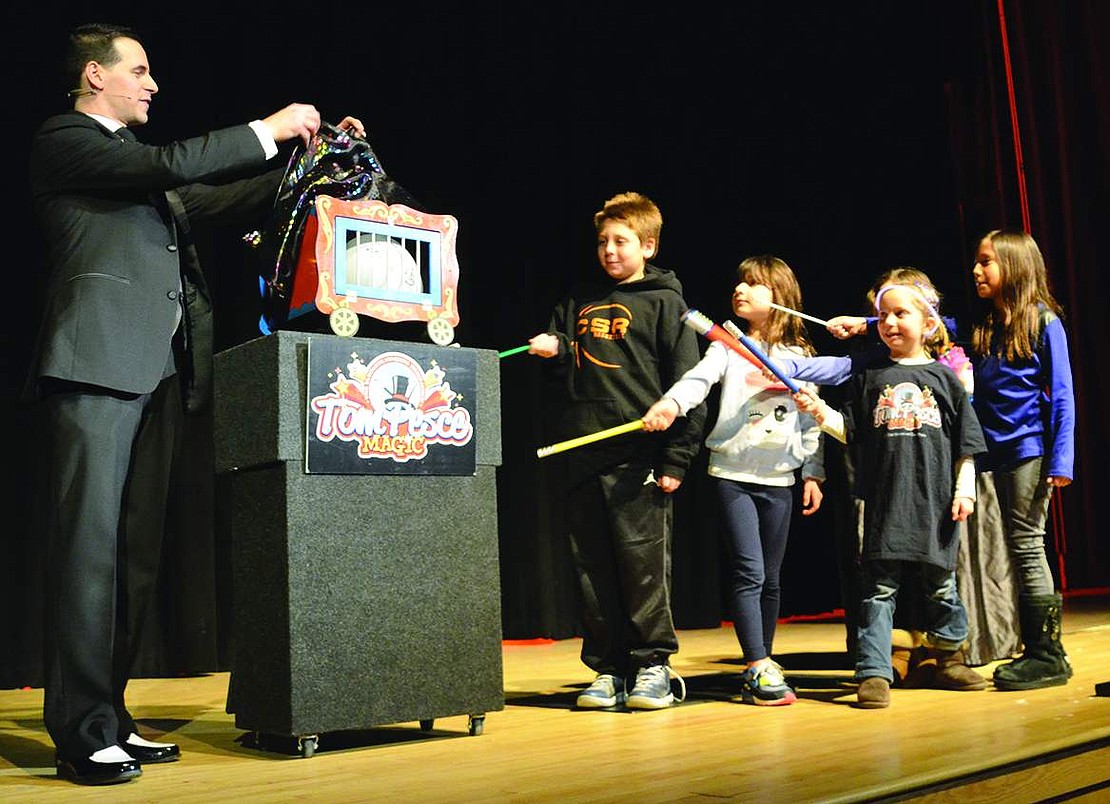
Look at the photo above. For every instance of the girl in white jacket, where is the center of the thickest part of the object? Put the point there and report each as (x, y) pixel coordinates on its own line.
(758, 445)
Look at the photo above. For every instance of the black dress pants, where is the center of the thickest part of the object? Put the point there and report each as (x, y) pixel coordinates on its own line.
(106, 481)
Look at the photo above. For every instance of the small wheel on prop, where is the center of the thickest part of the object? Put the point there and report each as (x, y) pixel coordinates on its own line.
(307, 745)
(441, 332)
(477, 722)
(343, 322)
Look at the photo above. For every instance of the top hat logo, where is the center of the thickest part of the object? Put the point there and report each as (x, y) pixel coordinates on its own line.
(400, 389)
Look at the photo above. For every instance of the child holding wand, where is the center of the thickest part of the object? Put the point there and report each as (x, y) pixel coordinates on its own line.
(757, 445)
(1025, 403)
(917, 437)
(983, 568)
(619, 341)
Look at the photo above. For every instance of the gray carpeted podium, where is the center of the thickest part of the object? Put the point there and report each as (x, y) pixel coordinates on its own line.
(358, 600)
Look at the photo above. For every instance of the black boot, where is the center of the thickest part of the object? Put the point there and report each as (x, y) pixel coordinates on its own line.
(1043, 662)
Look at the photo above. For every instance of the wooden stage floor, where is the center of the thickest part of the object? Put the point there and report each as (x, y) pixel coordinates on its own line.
(1043, 745)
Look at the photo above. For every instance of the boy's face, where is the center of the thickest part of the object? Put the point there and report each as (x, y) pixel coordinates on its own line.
(621, 252)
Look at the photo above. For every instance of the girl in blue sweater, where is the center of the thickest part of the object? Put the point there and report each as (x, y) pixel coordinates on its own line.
(1026, 406)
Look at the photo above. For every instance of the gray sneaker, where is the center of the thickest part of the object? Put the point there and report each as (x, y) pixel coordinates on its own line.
(607, 690)
(653, 688)
(765, 685)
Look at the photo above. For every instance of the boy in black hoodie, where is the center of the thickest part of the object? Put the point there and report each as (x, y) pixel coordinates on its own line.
(621, 342)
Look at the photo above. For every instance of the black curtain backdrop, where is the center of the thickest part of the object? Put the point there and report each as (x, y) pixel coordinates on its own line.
(845, 138)
(1059, 68)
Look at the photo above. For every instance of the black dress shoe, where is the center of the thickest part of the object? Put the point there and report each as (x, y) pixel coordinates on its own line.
(150, 755)
(86, 771)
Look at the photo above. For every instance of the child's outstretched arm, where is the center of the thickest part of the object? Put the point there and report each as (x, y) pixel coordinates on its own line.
(963, 502)
(661, 415)
(689, 391)
(820, 370)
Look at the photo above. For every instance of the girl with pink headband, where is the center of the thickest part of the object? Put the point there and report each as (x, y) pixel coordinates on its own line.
(916, 434)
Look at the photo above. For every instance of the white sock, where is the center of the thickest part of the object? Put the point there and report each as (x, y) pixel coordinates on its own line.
(134, 739)
(112, 753)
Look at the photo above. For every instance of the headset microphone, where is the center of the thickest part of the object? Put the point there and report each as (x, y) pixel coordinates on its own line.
(81, 93)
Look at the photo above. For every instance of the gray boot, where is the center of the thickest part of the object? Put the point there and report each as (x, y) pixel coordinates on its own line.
(1043, 662)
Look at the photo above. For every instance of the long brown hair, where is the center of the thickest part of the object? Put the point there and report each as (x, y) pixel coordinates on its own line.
(785, 291)
(1015, 316)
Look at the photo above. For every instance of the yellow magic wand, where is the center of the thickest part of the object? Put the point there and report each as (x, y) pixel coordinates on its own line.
(563, 446)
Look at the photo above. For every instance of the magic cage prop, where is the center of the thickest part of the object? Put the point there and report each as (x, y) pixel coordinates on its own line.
(346, 240)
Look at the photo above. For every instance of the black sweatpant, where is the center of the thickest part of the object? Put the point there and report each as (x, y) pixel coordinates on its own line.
(620, 525)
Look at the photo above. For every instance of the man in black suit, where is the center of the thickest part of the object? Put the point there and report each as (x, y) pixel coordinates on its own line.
(124, 348)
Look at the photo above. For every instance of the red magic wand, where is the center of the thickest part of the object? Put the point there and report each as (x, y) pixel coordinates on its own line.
(738, 342)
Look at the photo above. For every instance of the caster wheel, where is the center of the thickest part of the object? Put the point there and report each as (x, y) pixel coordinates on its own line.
(343, 322)
(440, 331)
(426, 725)
(307, 746)
(477, 722)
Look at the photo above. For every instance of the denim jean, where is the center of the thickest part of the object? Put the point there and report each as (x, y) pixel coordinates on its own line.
(944, 612)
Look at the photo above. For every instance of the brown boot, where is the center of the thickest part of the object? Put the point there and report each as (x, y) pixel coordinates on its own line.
(901, 655)
(913, 667)
(873, 693)
(953, 673)
(923, 670)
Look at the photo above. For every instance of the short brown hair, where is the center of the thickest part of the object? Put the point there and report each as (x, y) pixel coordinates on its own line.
(638, 212)
(93, 42)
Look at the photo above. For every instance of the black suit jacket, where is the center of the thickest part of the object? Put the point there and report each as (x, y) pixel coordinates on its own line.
(117, 216)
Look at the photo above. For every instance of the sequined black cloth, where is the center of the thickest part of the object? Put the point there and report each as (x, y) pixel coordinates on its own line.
(334, 164)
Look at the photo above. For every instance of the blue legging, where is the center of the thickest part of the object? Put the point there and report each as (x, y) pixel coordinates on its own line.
(756, 524)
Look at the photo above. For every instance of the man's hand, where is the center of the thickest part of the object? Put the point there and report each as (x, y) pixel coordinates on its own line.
(295, 120)
(661, 415)
(353, 125)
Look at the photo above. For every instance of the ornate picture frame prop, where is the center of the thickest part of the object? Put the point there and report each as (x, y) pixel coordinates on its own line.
(387, 261)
